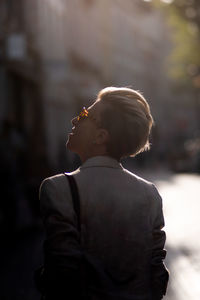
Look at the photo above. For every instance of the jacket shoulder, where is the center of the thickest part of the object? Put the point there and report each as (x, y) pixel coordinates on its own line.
(147, 186)
(55, 196)
(59, 178)
(137, 178)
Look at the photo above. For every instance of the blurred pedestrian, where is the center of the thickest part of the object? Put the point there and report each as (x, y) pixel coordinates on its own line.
(117, 249)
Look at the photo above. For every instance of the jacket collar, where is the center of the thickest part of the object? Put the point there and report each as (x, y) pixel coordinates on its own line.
(101, 161)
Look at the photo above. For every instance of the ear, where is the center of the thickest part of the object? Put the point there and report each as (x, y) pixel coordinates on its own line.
(102, 136)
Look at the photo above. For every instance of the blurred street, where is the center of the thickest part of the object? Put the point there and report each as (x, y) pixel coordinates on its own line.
(181, 203)
(182, 206)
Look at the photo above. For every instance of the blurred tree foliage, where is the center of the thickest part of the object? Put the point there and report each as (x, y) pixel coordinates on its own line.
(184, 20)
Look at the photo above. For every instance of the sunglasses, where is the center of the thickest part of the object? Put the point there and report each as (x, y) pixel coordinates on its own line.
(85, 114)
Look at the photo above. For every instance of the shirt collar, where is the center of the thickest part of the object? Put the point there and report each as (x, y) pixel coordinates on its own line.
(101, 161)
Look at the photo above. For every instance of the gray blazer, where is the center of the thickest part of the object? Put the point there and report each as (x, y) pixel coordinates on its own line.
(121, 227)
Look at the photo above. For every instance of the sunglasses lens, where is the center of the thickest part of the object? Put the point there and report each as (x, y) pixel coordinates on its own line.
(83, 113)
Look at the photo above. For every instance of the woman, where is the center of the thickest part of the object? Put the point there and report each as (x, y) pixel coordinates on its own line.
(121, 214)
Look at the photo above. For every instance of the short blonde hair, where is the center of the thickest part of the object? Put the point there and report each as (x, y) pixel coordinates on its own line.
(127, 117)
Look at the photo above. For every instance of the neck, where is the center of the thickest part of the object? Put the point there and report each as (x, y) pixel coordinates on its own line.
(86, 156)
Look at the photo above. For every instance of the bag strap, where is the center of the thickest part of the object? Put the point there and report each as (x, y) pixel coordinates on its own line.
(75, 198)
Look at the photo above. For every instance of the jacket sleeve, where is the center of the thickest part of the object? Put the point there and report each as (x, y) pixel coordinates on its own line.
(159, 273)
(61, 246)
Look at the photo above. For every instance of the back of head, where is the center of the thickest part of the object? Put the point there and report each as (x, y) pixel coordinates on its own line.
(127, 117)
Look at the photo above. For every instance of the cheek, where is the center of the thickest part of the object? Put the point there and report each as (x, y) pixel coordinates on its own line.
(86, 138)
(81, 140)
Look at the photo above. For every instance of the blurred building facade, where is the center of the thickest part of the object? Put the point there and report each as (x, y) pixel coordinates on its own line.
(56, 55)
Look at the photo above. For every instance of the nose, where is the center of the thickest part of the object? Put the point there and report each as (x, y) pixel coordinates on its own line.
(74, 121)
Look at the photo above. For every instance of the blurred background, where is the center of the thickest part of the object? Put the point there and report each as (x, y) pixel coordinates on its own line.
(55, 55)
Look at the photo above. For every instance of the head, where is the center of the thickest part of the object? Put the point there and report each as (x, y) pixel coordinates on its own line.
(118, 124)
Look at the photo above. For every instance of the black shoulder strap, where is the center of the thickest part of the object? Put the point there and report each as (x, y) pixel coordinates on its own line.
(75, 198)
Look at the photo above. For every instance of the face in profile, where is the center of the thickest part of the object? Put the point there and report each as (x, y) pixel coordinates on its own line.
(84, 131)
